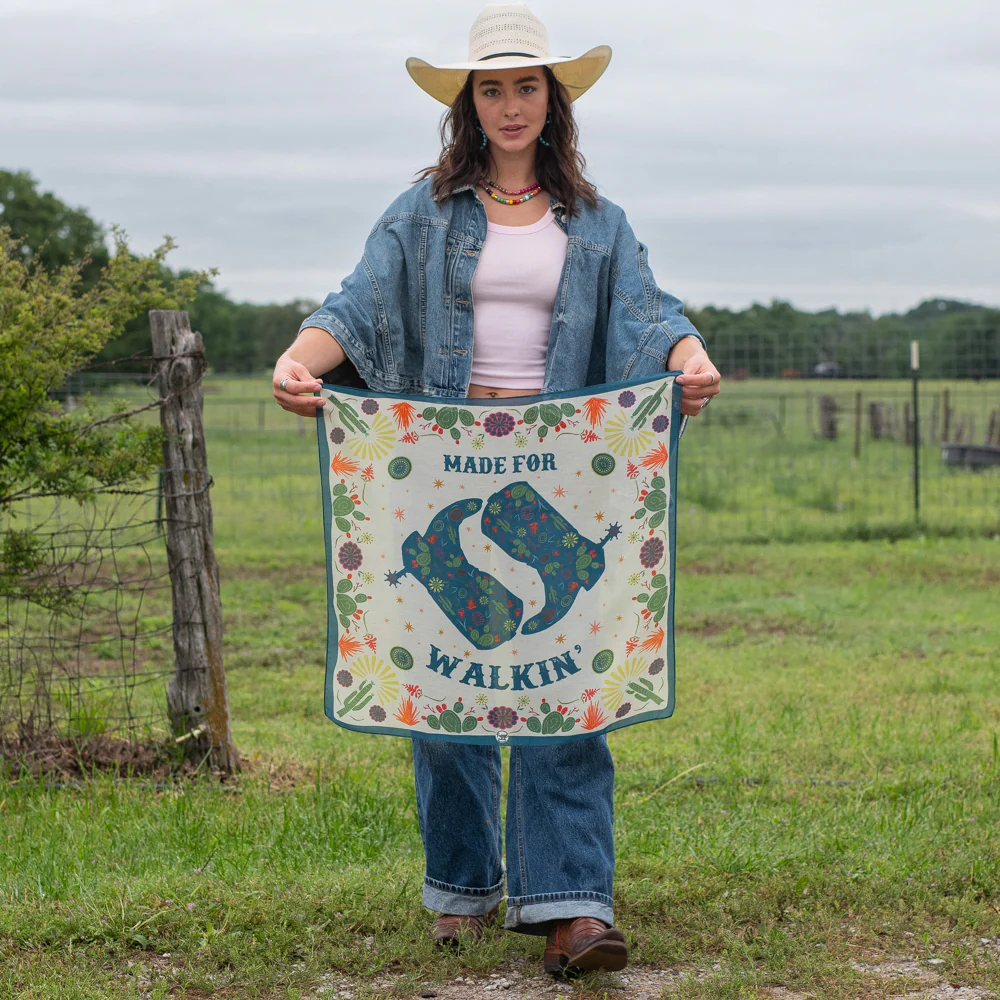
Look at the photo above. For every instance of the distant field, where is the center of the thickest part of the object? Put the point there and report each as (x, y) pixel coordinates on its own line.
(751, 467)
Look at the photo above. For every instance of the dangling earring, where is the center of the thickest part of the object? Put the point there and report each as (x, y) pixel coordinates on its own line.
(482, 145)
(543, 141)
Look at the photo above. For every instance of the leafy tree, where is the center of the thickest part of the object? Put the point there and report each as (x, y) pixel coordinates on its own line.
(48, 230)
(51, 325)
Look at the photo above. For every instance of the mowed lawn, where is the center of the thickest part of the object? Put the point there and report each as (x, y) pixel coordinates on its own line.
(827, 793)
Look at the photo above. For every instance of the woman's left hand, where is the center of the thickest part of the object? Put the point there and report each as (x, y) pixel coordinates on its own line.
(700, 381)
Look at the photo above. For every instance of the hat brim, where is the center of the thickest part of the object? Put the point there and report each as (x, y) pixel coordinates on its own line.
(577, 75)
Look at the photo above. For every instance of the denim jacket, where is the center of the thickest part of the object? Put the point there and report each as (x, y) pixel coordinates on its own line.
(404, 316)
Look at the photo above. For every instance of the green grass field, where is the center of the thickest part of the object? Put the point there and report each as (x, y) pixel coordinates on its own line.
(825, 798)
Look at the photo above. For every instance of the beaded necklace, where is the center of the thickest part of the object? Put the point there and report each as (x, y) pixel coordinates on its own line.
(513, 194)
(510, 201)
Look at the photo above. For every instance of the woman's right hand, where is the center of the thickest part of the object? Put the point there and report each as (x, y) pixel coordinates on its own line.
(300, 381)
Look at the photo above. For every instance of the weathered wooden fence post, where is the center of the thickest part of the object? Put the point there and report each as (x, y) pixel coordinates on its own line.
(197, 696)
(828, 411)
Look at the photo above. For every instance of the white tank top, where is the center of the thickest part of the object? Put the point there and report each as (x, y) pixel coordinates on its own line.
(513, 295)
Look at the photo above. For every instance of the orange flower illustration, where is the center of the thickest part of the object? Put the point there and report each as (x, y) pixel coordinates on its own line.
(592, 717)
(348, 645)
(630, 645)
(343, 467)
(404, 414)
(653, 643)
(407, 714)
(595, 408)
(657, 458)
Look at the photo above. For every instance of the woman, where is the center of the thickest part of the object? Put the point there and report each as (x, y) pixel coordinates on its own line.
(502, 273)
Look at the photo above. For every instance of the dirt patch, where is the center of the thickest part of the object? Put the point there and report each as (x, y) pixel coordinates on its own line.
(523, 981)
(705, 626)
(30, 755)
(512, 983)
(723, 567)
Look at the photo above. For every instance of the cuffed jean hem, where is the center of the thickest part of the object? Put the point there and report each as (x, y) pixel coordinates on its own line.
(532, 914)
(459, 899)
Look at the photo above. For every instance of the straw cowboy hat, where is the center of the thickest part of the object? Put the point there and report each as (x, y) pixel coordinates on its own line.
(509, 36)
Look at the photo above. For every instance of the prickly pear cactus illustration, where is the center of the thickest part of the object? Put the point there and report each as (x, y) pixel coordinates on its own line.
(529, 529)
(476, 603)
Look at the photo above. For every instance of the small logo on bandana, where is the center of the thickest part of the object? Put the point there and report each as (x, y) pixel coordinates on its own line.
(501, 736)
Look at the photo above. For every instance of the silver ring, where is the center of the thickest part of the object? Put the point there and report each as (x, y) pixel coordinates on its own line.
(713, 378)
(283, 383)
(705, 400)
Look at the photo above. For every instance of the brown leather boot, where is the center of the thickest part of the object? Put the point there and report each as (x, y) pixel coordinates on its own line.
(582, 944)
(451, 930)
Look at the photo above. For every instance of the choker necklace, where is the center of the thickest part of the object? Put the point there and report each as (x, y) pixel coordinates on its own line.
(510, 201)
(513, 194)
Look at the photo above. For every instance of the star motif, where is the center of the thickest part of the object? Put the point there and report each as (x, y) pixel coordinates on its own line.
(441, 630)
(559, 492)
(430, 506)
(599, 516)
(579, 472)
(467, 653)
(560, 639)
(487, 547)
(399, 600)
(619, 618)
(408, 626)
(399, 514)
(595, 627)
(532, 603)
(514, 651)
(438, 483)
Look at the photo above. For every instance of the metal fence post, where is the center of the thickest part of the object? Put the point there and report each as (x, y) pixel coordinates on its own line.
(197, 695)
(915, 372)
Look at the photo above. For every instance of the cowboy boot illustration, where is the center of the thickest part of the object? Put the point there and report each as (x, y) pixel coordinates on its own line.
(529, 529)
(476, 603)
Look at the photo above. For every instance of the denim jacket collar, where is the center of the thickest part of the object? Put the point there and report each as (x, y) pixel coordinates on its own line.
(404, 317)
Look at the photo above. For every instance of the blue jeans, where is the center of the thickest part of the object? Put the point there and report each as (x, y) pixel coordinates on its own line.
(560, 836)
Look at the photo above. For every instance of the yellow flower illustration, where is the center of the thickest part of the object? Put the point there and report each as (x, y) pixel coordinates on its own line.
(613, 693)
(382, 677)
(379, 441)
(623, 440)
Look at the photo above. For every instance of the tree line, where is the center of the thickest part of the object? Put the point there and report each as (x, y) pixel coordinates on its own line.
(957, 339)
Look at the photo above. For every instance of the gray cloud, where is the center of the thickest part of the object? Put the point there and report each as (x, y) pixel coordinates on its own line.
(832, 153)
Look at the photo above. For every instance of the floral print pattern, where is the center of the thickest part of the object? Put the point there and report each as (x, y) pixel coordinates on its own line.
(608, 471)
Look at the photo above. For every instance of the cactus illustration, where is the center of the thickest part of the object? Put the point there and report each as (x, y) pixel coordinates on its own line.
(451, 721)
(358, 698)
(349, 417)
(647, 407)
(642, 690)
(654, 504)
(551, 721)
(344, 507)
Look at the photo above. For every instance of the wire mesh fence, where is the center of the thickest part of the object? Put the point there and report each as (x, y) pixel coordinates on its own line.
(770, 459)
(87, 655)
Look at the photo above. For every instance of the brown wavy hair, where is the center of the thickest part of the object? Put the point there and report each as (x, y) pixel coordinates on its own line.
(559, 167)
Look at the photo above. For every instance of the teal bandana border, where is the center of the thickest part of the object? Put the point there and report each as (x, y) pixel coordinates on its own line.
(677, 424)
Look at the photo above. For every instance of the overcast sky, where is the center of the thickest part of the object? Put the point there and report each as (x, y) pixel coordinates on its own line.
(837, 153)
